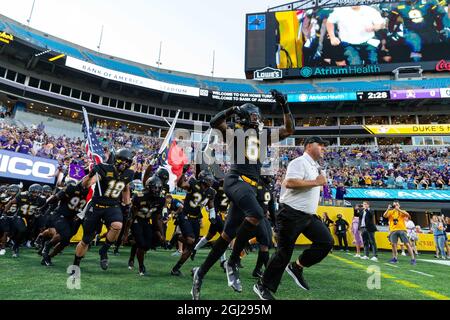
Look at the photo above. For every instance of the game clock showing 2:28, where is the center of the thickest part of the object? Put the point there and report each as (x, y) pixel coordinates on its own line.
(373, 95)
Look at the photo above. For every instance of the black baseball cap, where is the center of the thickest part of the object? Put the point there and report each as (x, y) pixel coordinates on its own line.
(318, 140)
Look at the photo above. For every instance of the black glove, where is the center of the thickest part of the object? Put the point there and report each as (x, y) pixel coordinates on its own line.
(278, 96)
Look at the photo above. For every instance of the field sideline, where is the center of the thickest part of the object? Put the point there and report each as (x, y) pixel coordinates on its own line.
(339, 276)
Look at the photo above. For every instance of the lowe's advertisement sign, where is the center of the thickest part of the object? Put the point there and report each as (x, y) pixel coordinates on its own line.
(399, 194)
(25, 167)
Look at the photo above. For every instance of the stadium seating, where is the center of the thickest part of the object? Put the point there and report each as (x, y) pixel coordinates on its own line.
(44, 42)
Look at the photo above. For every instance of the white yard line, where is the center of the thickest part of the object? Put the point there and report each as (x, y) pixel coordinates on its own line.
(422, 273)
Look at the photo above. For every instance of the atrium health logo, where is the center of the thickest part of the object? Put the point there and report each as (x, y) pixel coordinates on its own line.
(306, 72)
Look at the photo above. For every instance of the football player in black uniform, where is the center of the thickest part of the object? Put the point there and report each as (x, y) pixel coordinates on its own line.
(136, 187)
(216, 227)
(48, 211)
(174, 209)
(71, 201)
(6, 216)
(144, 207)
(199, 194)
(42, 216)
(112, 189)
(241, 183)
(264, 230)
(27, 204)
(159, 235)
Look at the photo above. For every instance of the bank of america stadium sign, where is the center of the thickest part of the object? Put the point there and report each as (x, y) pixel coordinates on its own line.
(131, 79)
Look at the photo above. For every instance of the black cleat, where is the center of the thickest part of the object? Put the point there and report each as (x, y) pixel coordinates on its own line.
(262, 292)
(196, 284)
(130, 264)
(297, 274)
(176, 272)
(257, 274)
(233, 276)
(103, 258)
(104, 264)
(47, 261)
(194, 252)
(142, 271)
(116, 251)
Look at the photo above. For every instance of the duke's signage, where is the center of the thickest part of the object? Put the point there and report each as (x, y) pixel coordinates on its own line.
(268, 73)
(417, 129)
(21, 167)
(6, 37)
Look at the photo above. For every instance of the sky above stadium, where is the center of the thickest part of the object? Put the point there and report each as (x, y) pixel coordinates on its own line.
(133, 29)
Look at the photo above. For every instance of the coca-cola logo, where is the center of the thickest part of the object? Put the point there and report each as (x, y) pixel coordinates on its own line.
(443, 66)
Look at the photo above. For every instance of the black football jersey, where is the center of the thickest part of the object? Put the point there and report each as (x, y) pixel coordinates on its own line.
(267, 200)
(146, 206)
(112, 184)
(221, 200)
(196, 198)
(247, 158)
(4, 200)
(27, 206)
(71, 201)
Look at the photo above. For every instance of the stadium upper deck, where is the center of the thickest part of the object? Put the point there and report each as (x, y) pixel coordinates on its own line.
(117, 89)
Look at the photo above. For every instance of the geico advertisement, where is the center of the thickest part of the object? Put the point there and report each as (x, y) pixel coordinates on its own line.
(24, 167)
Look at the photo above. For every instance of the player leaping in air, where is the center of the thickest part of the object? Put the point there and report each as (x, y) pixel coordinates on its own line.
(241, 184)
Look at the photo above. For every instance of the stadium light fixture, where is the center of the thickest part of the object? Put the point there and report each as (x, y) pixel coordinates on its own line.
(31, 12)
(159, 63)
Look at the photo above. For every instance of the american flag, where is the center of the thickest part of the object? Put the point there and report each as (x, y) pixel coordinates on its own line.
(93, 148)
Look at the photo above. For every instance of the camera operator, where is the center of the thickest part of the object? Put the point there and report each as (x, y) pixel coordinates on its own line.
(397, 229)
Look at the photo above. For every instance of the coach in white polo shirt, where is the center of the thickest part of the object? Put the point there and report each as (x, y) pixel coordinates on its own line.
(298, 202)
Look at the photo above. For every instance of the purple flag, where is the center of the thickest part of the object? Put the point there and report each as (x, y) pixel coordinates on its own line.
(76, 171)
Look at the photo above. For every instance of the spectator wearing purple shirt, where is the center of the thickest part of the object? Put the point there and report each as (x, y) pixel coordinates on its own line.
(25, 147)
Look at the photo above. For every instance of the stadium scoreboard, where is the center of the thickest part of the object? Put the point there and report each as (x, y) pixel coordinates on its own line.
(373, 95)
(370, 38)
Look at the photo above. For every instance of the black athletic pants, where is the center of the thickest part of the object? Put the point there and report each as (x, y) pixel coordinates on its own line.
(291, 223)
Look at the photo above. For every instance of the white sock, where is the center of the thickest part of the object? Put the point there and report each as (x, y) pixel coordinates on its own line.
(223, 257)
(201, 243)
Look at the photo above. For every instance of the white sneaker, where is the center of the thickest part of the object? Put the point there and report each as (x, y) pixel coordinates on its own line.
(404, 254)
(374, 259)
(176, 254)
(357, 256)
(28, 244)
(2, 252)
(365, 258)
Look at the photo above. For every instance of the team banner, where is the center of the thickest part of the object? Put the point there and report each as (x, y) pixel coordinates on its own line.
(415, 129)
(399, 194)
(21, 167)
(131, 79)
(415, 94)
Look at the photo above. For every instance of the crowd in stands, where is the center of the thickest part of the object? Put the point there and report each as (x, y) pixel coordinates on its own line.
(363, 167)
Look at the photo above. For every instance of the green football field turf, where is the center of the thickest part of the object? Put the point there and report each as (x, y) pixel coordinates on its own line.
(339, 276)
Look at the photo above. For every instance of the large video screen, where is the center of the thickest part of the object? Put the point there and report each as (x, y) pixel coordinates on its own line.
(350, 40)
